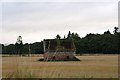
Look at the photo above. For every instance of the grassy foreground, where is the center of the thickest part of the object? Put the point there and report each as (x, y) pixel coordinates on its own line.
(104, 66)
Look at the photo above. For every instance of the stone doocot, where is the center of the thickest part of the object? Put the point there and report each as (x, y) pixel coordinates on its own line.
(59, 49)
(59, 55)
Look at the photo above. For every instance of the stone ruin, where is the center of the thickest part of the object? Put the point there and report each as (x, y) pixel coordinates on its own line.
(58, 49)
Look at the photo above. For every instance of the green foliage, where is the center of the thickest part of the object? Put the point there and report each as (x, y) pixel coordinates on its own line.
(58, 36)
(107, 32)
(92, 43)
(36, 48)
(115, 30)
(8, 49)
(106, 43)
(69, 35)
(19, 46)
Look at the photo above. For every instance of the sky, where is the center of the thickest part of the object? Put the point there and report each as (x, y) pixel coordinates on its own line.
(44, 19)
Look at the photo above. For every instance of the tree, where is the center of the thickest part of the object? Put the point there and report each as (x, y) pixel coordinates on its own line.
(64, 37)
(9, 49)
(106, 43)
(69, 35)
(115, 30)
(58, 36)
(26, 48)
(107, 32)
(75, 36)
(37, 47)
(19, 45)
(1, 48)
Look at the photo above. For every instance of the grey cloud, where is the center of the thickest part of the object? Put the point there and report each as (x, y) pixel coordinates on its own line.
(47, 19)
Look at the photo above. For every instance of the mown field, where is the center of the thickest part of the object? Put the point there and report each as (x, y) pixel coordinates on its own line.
(102, 66)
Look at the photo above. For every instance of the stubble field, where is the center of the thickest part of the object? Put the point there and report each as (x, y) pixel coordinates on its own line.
(103, 66)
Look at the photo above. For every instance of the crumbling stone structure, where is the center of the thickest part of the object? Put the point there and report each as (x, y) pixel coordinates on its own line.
(59, 49)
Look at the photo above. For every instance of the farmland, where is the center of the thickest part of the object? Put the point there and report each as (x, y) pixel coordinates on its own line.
(102, 66)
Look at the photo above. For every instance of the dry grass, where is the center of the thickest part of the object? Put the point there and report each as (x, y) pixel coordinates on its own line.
(89, 66)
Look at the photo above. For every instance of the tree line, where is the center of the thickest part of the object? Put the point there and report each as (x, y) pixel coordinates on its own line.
(105, 43)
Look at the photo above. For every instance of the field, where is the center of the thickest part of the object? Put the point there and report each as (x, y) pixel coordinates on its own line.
(102, 66)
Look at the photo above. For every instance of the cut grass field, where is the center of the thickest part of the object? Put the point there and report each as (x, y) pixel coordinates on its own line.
(103, 66)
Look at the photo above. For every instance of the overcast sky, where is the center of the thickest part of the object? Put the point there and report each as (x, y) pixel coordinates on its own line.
(36, 21)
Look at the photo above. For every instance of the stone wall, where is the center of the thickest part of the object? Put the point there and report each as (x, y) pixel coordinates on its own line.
(59, 55)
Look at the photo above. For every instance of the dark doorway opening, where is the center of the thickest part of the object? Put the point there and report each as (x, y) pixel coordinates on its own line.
(67, 57)
(53, 57)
